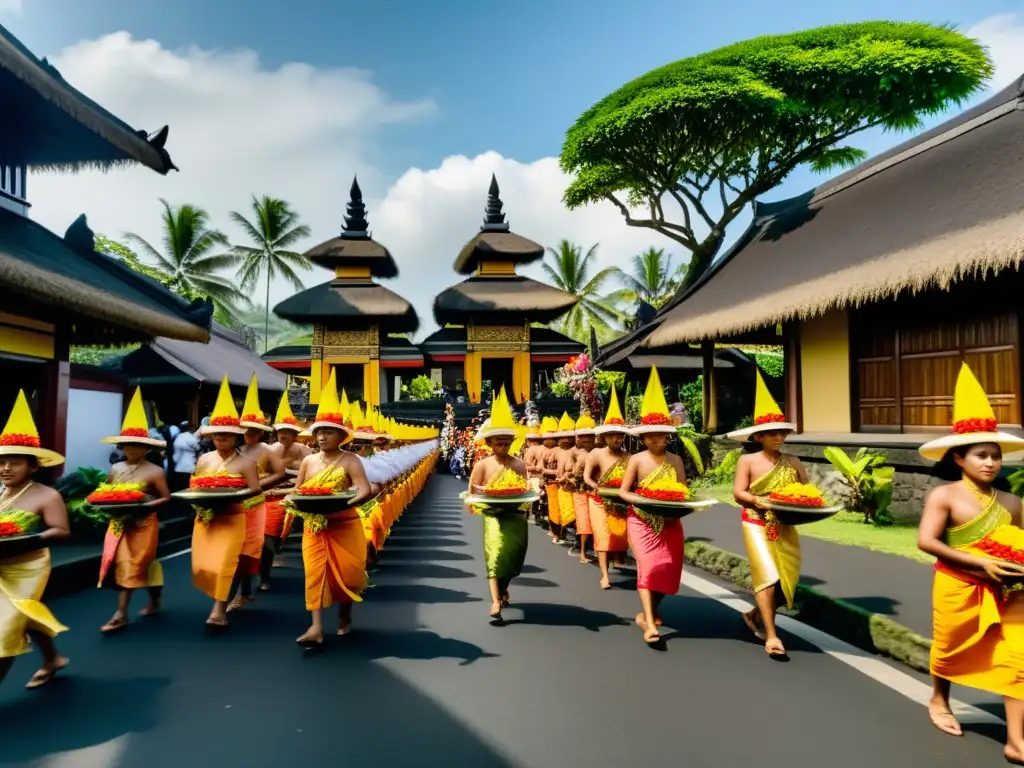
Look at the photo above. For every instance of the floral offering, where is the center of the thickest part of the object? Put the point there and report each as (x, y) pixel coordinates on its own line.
(798, 495)
(508, 483)
(1004, 543)
(18, 523)
(325, 482)
(664, 489)
(219, 481)
(117, 493)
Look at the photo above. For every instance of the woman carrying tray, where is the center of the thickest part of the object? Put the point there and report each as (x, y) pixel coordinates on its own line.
(605, 468)
(333, 543)
(566, 481)
(291, 453)
(218, 536)
(773, 549)
(657, 542)
(506, 532)
(580, 496)
(131, 540)
(978, 632)
(533, 457)
(23, 576)
(548, 473)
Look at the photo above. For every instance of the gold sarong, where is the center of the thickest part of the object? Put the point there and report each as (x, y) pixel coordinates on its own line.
(772, 549)
(22, 583)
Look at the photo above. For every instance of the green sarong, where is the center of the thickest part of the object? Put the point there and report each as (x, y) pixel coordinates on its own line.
(505, 539)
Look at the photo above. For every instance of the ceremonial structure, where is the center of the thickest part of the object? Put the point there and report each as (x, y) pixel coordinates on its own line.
(353, 317)
(57, 291)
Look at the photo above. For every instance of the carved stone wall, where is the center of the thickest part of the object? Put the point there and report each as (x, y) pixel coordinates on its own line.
(498, 338)
(334, 343)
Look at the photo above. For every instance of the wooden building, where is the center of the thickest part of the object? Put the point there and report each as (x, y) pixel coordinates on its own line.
(58, 291)
(881, 281)
(487, 320)
(352, 316)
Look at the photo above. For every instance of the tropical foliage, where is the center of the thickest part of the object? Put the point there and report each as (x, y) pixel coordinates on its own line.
(867, 480)
(707, 135)
(573, 271)
(652, 278)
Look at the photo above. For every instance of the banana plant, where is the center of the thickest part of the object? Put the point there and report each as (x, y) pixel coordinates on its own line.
(868, 481)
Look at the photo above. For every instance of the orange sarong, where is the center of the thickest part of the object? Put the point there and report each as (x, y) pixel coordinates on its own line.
(132, 552)
(582, 508)
(216, 547)
(609, 528)
(554, 512)
(566, 509)
(275, 517)
(252, 547)
(335, 561)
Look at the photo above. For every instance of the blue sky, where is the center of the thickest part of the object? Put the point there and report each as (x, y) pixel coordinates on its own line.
(456, 89)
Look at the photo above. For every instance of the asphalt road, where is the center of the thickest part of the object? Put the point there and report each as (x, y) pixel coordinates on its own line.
(425, 680)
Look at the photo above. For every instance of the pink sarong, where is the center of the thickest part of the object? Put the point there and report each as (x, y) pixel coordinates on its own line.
(659, 556)
(580, 502)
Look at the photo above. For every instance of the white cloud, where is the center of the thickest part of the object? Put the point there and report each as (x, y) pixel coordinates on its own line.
(300, 133)
(1003, 34)
(11, 7)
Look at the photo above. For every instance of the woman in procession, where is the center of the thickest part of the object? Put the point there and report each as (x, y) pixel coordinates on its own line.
(23, 576)
(605, 468)
(657, 542)
(291, 453)
(130, 543)
(580, 495)
(564, 478)
(978, 620)
(773, 549)
(549, 470)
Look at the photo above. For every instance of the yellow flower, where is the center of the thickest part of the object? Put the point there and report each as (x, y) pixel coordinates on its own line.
(507, 480)
(799, 491)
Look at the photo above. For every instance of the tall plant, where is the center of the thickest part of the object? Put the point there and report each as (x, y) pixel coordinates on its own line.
(868, 482)
(572, 271)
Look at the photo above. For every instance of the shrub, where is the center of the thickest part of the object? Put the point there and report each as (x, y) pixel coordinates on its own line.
(868, 483)
(692, 397)
(724, 473)
(605, 379)
(421, 388)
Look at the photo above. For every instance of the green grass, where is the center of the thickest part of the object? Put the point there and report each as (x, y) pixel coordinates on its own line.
(848, 529)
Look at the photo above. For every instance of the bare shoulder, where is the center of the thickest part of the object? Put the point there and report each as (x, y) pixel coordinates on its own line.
(309, 459)
(940, 494)
(47, 495)
(518, 465)
(745, 460)
(1010, 502)
(791, 460)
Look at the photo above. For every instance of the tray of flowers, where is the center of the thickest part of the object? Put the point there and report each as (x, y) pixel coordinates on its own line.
(121, 499)
(1005, 543)
(799, 503)
(216, 488)
(19, 533)
(323, 493)
(670, 498)
(508, 489)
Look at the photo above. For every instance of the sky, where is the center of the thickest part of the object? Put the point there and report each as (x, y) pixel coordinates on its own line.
(421, 100)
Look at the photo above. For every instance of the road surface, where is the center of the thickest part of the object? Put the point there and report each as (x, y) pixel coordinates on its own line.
(425, 680)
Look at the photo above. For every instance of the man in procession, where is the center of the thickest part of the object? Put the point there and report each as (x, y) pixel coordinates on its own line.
(291, 453)
(580, 495)
(604, 469)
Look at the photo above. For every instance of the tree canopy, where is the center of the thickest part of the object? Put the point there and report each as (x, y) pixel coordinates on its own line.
(705, 136)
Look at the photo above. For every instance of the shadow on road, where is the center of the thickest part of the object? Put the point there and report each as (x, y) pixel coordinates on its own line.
(420, 594)
(422, 571)
(423, 542)
(398, 554)
(557, 615)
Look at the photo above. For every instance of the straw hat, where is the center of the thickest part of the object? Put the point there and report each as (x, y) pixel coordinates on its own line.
(135, 427)
(613, 421)
(361, 424)
(285, 419)
(328, 413)
(654, 415)
(974, 421)
(586, 425)
(501, 423)
(566, 427)
(252, 416)
(768, 417)
(548, 427)
(224, 419)
(21, 438)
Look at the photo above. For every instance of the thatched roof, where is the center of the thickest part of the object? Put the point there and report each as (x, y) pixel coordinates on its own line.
(336, 301)
(354, 247)
(495, 242)
(68, 275)
(48, 124)
(944, 206)
(497, 299)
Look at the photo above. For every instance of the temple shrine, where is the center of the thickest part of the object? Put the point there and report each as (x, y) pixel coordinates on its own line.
(356, 321)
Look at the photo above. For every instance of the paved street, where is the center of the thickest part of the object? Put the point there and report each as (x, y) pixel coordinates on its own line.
(427, 681)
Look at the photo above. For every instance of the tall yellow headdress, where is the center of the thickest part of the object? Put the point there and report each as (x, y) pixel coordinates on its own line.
(135, 427)
(566, 426)
(224, 419)
(974, 421)
(654, 415)
(21, 438)
(501, 423)
(768, 417)
(285, 419)
(252, 416)
(548, 427)
(613, 421)
(585, 425)
(328, 413)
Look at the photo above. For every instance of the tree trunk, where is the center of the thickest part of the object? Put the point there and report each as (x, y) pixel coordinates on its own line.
(266, 317)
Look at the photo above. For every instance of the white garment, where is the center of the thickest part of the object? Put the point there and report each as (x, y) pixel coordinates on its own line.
(186, 449)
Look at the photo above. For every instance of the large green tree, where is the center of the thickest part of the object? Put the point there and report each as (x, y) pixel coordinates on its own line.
(572, 271)
(651, 278)
(273, 231)
(693, 143)
(191, 260)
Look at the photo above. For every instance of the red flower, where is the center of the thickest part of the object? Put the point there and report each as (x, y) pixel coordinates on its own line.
(797, 501)
(613, 420)
(21, 441)
(107, 497)
(505, 491)
(1000, 551)
(289, 420)
(10, 529)
(657, 419)
(614, 483)
(218, 481)
(316, 490)
(769, 418)
(254, 418)
(333, 418)
(223, 421)
(970, 426)
(134, 432)
(647, 493)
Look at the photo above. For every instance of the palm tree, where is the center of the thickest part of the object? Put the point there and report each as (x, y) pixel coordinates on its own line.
(273, 230)
(570, 271)
(189, 262)
(651, 279)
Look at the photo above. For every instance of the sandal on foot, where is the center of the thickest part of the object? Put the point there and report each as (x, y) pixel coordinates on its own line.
(752, 626)
(216, 623)
(116, 623)
(149, 610)
(309, 642)
(44, 676)
(775, 648)
(945, 721)
(652, 636)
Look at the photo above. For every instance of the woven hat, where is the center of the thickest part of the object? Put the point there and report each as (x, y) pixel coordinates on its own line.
(768, 417)
(224, 419)
(135, 427)
(21, 438)
(285, 419)
(613, 421)
(974, 421)
(252, 416)
(654, 415)
(328, 413)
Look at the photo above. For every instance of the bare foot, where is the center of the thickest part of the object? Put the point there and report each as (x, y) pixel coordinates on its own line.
(117, 621)
(345, 629)
(943, 719)
(238, 603)
(311, 637)
(1014, 756)
(775, 648)
(495, 610)
(217, 620)
(48, 671)
(605, 583)
(150, 610)
(278, 562)
(751, 620)
(506, 601)
(651, 635)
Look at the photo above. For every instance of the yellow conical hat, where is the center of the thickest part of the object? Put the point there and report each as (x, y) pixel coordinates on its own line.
(548, 427)
(135, 427)
(974, 421)
(613, 421)
(21, 438)
(501, 423)
(224, 419)
(252, 416)
(654, 415)
(345, 409)
(768, 417)
(586, 425)
(285, 419)
(566, 426)
(328, 413)
(362, 423)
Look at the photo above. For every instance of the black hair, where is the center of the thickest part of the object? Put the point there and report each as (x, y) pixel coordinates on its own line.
(948, 470)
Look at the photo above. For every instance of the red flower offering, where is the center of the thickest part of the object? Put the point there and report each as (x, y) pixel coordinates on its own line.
(218, 482)
(1004, 543)
(662, 495)
(505, 491)
(9, 529)
(798, 495)
(316, 490)
(615, 482)
(117, 493)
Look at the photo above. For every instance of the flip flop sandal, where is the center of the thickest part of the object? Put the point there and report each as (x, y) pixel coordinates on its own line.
(44, 677)
(114, 625)
(951, 723)
(752, 626)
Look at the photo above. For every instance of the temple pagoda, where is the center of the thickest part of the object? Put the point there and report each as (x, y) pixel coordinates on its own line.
(487, 320)
(352, 316)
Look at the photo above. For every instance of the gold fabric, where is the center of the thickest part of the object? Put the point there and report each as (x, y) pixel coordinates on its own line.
(22, 583)
(778, 561)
